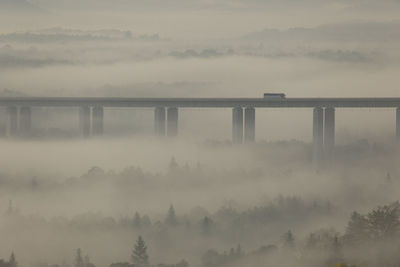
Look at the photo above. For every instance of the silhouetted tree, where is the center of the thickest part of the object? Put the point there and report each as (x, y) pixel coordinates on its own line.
(171, 216)
(239, 253)
(357, 229)
(288, 240)
(231, 253)
(173, 165)
(139, 254)
(12, 262)
(206, 225)
(10, 209)
(78, 259)
(137, 221)
(145, 220)
(182, 263)
(337, 249)
(384, 222)
(211, 258)
(87, 262)
(336, 257)
(311, 241)
(122, 264)
(388, 178)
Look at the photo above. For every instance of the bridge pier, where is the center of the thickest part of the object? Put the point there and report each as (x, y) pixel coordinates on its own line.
(237, 125)
(3, 122)
(172, 122)
(159, 121)
(25, 120)
(98, 120)
(12, 121)
(329, 131)
(318, 128)
(249, 125)
(398, 125)
(84, 121)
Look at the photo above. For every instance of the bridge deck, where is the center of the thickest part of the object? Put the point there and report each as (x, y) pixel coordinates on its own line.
(387, 102)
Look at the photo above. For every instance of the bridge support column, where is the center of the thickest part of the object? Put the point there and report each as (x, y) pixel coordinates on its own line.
(25, 120)
(398, 125)
(249, 125)
(237, 125)
(159, 121)
(172, 122)
(318, 128)
(98, 120)
(84, 121)
(3, 122)
(329, 131)
(12, 121)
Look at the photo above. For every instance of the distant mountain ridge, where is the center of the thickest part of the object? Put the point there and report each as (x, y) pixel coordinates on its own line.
(363, 31)
(18, 6)
(64, 34)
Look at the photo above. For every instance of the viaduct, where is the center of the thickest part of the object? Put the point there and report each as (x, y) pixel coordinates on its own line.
(91, 114)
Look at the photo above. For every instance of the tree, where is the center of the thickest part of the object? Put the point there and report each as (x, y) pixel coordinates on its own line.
(384, 222)
(288, 240)
(173, 165)
(337, 249)
(137, 221)
(239, 251)
(212, 258)
(388, 178)
(182, 263)
(311, 241)
(206, 225)
(87, 262)
(357, 229)
(79, 259)
(139, 254)
(10, 209)
(121, 264)
(145, 220)
(171, 216)
(12, 262)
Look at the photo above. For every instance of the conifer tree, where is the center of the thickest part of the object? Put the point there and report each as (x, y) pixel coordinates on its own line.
(171, 216)
(357, 229)
(139, 254)
(137, 220)
(79, 259)
(206, 225)
(12, 262)
(288, 240)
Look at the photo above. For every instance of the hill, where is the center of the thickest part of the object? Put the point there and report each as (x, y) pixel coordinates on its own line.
(18, 6)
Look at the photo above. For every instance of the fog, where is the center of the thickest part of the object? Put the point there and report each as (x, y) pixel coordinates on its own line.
(199, 199)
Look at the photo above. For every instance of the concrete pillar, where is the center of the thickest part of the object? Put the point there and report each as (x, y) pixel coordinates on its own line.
(25, 120)
(318, 128)
(12, 121)
(398, 124)
(237, 125)
(159, 121)
(84, 121)
(172, 122)
(3, 122)
(329, 131)
(249, 125)
(98, 120)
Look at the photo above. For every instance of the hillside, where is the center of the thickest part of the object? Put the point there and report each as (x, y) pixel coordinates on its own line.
(18, 6)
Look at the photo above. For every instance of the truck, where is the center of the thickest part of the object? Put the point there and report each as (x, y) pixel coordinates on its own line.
(275, 96)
